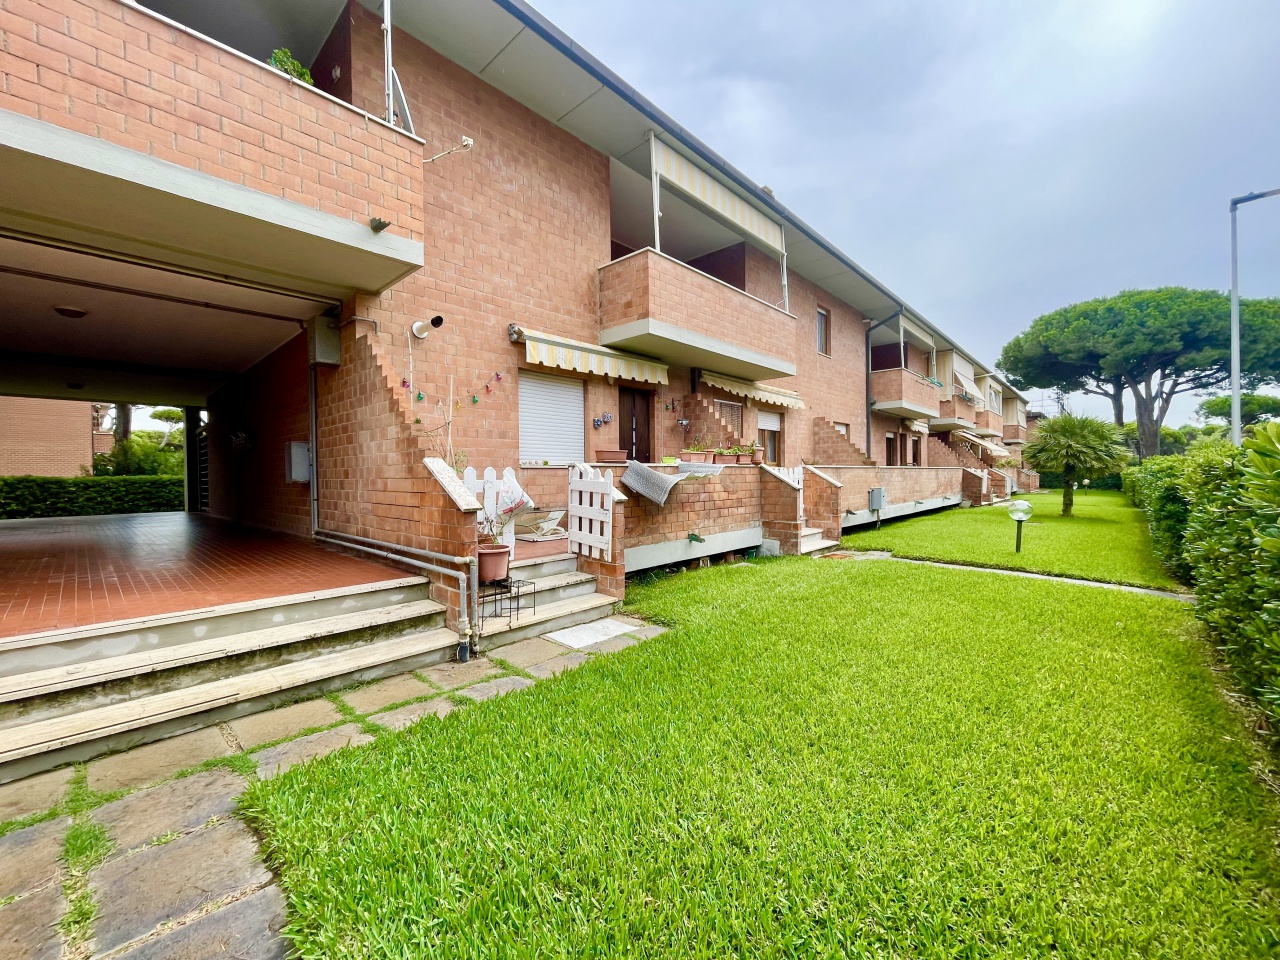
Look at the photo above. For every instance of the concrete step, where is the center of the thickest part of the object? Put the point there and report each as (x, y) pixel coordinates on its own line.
(546, 618)
(810, 532)
(544, 590)
(817, 547)
(398, 618)
(535, 568)
(77, 644)
(31, 747)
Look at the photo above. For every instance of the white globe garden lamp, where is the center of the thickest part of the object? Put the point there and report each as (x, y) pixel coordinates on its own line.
(1020, 511)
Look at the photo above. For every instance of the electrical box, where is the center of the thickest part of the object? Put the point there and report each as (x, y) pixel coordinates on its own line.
(876, 499)
(297, 462)
(324, 341)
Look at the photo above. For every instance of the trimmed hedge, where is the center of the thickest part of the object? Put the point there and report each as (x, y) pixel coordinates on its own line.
(24, 497)
(1210, 521)
(1053, 481)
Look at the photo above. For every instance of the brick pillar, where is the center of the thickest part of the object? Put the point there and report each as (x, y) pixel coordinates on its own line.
(822, 504)
(781, 512)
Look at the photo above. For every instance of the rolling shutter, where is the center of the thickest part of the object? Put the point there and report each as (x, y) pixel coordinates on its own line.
(551, 419)
(768, 420)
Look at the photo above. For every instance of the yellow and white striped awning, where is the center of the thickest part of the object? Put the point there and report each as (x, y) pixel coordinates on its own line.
(756, 391)
(694, 181)
(564, 354)
(995, 448)
(917, 426)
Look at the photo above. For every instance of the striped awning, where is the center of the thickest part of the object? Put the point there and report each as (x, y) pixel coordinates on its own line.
(564, 354)
(699, 185)
(995, 448)
(756, 391)
(918, 426)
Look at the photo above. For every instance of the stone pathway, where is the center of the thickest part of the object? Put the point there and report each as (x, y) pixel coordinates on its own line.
(886, 555)
(137, 856)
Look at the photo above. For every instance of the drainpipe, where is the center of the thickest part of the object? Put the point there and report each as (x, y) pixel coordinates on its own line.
(386, 61)
(867, 406)
(312, 426)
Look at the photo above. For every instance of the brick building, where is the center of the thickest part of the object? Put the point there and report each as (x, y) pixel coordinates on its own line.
(501, 254)
(46, 438)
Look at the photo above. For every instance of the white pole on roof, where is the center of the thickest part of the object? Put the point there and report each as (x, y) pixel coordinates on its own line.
(1235, 313)
(387, 67)
(657, 190)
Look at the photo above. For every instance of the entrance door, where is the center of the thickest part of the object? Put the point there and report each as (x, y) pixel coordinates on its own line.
(635, 416)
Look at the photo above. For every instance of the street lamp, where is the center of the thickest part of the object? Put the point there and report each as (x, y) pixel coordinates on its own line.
(1235, 313)
(1020, 511)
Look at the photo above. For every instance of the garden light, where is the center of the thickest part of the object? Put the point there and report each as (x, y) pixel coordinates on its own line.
(1020, 512)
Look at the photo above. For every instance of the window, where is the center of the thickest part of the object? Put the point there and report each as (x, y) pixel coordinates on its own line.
(824, 332)
(915, 451)
(842, 429)
(551, 419)
(770, 436)
(891, 450)
(730, 413)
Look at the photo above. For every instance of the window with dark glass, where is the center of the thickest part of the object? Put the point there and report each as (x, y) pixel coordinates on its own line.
(824, 332)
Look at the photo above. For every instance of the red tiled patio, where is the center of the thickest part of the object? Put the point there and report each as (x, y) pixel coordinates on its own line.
(69, 572)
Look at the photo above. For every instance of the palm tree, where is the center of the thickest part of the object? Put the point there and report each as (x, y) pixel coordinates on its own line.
(1076, 447)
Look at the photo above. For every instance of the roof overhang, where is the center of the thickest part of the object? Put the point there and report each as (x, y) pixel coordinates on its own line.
(904, 407)
(687, 348)
(87, 192)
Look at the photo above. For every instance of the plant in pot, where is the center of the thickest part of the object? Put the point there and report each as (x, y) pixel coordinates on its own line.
(696, 452)
(744, 453)
(757, 454)
(725, 455)
(493, 554)
(611, 456)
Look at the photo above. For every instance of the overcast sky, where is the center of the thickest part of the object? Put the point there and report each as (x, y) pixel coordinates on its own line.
(989, 161)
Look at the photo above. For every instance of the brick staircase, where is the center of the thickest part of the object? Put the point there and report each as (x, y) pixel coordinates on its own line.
(707, 425)
(941, 455)
(833, 448)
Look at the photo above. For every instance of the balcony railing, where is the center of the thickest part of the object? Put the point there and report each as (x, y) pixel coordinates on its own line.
(653, 304)
(118, 72)
(989, 423)
(955, 410)
(904, 393)
(1014, 433)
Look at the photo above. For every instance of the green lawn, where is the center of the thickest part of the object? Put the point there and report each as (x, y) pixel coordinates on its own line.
(1106, 540)
(822, 758)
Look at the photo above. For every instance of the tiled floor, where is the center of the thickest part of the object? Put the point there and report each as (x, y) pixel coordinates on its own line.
(59, 573)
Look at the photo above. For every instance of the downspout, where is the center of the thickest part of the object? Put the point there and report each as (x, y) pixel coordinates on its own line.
(387, 66)
(867, 404)
(313, 427)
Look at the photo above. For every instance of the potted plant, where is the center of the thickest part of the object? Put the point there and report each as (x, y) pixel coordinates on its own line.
(696, 452)
(611, 456)
(724, 455)
(744, 453)
(757, 454)
(494, 556)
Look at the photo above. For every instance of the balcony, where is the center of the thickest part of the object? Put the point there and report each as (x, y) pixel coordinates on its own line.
(1013, 433)
(655, 305)
(988, 424)
(128, 132)
(904, 393)
(954, 413)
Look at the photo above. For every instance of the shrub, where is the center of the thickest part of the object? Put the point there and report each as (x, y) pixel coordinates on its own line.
(24, 497)
(140, 455)
(1053, 481)
(286, 62)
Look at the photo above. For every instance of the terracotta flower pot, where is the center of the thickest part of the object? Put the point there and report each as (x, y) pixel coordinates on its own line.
(744, 457)
(495, 561)
(726, 458)
(611, 456)
(757, 456)
(695, 456)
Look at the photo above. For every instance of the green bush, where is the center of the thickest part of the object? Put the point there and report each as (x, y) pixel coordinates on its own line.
(1053, 481)
(23, 497)
(140, 455)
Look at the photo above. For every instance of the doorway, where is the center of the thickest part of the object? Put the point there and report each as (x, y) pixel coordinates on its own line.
(635, 420)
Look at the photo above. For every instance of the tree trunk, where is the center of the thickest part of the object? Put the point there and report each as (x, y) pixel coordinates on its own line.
(1144, 412)
(1117, 402)
(1068, 490)
(123, 426)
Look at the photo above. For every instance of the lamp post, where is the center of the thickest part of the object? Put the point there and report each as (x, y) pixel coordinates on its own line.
(1020, 511)
(1235, 312)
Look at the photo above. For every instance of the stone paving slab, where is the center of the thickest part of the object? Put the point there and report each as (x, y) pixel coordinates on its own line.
(447, 676)
(585, 634)
(156, 761)
(558, 665)
(137, 893)
(649, 631)
(29, 857)
(525, 653)
(29, 927)
(173, 807)
(278, 759)
(248, 929)
(260, 728)
(386, 692)
(33, 794)
(613, 644)
(496, 688)
(402, 717)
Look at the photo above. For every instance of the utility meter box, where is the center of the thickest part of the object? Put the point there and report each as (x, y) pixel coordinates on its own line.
(297, 462)
(876, 498)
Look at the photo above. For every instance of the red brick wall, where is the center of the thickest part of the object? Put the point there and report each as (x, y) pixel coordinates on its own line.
(45, 438)
(703, 505)
(109, 70)
(781, 507)
(831, 446)
(822, 504)
(269, 403)
(902, 484)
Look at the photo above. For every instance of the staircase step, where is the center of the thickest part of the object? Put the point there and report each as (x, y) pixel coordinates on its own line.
(816, 546)
(98, 724)
(533, 568)
(35, 683)
(810, 532)
(546, 618)
(546, 590)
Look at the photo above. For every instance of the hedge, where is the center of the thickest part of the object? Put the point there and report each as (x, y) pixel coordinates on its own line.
(23, 497)
(1053, 481)
(1211, 514)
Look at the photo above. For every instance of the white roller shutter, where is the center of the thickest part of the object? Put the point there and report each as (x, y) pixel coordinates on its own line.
(768, 420)
(551, 419)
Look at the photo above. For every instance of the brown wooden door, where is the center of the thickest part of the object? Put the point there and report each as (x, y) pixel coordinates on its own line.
(635, 415)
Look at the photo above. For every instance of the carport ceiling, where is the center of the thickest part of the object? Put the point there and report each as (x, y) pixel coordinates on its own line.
(136, 317)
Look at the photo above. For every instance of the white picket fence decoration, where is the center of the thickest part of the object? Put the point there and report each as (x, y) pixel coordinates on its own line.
(485, 489)
(590, 521)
